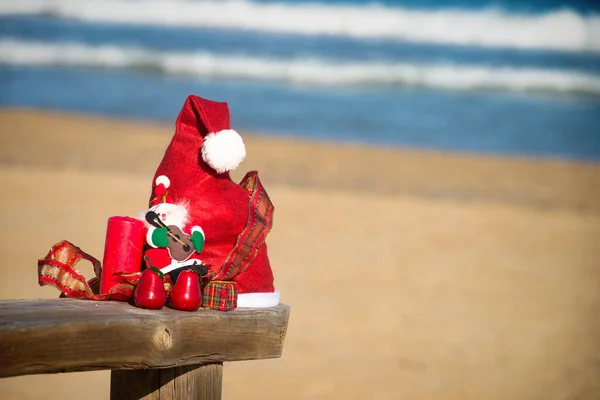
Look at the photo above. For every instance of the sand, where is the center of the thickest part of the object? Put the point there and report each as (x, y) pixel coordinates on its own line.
(410, 274)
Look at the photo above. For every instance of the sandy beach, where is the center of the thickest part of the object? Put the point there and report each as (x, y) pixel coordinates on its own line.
(410, 274)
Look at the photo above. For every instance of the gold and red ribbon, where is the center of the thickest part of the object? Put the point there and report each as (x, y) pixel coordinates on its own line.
(58, 269)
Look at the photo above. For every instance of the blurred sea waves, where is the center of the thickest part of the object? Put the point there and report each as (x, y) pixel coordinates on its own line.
(563, 29)
(519, 77)
(310, 71)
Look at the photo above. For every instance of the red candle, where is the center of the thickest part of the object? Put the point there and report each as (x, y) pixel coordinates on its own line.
(122, 250)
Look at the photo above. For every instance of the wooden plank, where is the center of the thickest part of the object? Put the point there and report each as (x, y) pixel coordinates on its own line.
(202, 382)
(64, 335)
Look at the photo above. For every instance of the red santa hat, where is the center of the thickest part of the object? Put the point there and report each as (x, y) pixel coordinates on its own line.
(161, 193)
(235, 218)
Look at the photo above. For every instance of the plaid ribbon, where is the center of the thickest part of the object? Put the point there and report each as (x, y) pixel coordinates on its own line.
(254, 235)
(220, 295)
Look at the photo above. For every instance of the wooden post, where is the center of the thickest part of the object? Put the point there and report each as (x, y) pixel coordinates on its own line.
(202, 382)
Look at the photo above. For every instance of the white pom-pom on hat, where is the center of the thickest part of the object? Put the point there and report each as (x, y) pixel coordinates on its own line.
(224, 150)
(163, 180)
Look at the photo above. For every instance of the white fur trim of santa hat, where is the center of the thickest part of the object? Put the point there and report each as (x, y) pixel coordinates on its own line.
(258, 300)
(224, 150)
(163, 180)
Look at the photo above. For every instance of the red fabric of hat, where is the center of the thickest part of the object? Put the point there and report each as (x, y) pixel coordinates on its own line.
(197, 162)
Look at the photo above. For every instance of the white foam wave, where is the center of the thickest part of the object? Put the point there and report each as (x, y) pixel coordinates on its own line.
(564, 30)
(299, 71)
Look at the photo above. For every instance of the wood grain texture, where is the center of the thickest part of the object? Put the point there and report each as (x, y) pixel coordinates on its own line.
(65, 335)
(140, 383)
(202, 382)
(198, 382)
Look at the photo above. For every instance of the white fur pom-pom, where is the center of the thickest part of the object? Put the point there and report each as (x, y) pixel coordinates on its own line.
(224, 150)
(163, 179)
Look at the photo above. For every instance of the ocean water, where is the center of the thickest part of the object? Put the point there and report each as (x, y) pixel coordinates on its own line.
(503, 77)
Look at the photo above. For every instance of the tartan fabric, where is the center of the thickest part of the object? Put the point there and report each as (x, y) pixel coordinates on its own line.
(258, 226)
(219, 295)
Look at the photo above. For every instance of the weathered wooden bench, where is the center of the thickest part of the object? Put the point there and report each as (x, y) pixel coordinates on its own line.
(151, 354)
